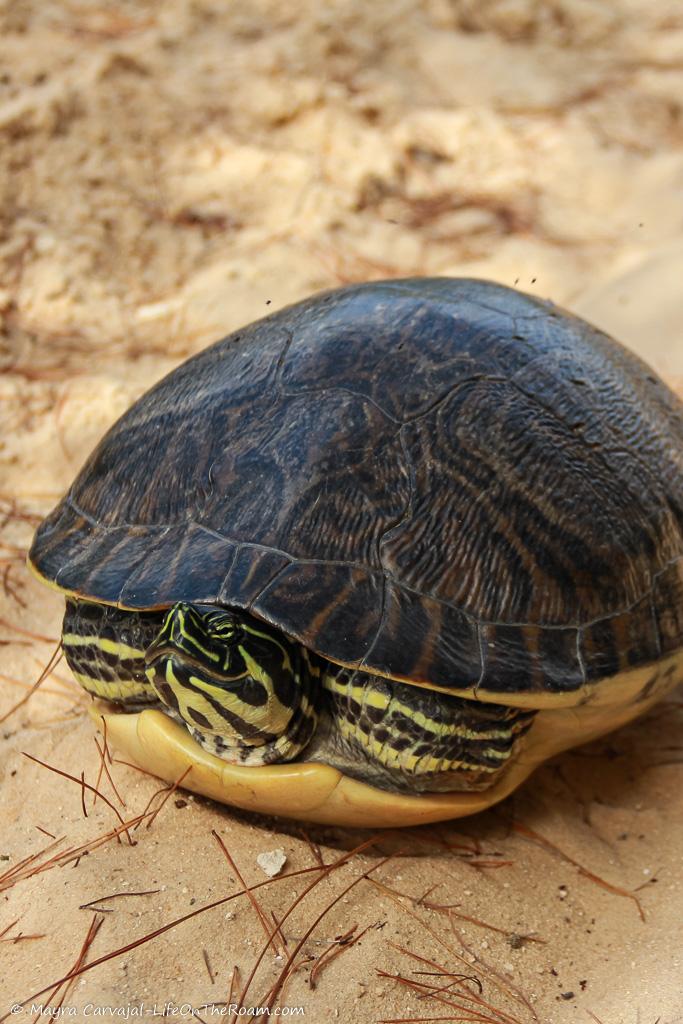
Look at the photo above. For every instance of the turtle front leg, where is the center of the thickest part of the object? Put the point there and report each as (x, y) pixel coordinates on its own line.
(105, 649)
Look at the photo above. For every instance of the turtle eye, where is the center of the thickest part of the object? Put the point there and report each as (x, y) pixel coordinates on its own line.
(228, 634)
(223, 627)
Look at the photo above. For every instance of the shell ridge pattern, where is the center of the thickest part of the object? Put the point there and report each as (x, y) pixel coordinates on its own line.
(422, 414)
(276, 388)
(384, 610)
(521, 624)
(340, 389)
(550, 627)
(405, 515)
(593, 446)
(558, 515)
(447, 395)
(478, 476)
(407, 510)
(613, 444)
(486, 502)
(616, 356)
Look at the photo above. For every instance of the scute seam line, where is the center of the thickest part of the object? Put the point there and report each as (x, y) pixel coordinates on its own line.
(293, 560)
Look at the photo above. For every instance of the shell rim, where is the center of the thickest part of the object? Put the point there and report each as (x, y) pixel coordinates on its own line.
(596, 692)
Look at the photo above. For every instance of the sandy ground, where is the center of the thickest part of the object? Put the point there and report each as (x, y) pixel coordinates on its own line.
(170, 171)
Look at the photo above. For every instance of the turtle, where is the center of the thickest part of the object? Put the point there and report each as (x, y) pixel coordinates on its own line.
(371, 559)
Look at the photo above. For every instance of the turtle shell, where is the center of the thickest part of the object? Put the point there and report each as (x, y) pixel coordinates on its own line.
(444, 481)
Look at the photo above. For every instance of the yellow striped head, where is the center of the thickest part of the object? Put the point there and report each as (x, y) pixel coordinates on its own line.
(236, 683)
(208, 637)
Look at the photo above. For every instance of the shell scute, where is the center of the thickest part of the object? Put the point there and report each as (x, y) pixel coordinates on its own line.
(668, 600)
(622, 641)
(328, 605)
(178, 560)
(251, 570)
(546, 659)
(424, 640)
(325, 483)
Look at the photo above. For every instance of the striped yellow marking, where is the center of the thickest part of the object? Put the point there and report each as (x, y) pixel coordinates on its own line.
(314, 668)
(188, 699)
(110, 646)
(211, 655)
(364, 696)
(112, 691)
(269, 717)
(254, 669)
(406, 760)
(403, 759)
(286, 660)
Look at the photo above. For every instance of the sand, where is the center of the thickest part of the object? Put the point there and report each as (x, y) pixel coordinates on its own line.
(171, 171)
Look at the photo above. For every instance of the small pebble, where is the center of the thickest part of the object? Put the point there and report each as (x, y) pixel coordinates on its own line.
(272, 862)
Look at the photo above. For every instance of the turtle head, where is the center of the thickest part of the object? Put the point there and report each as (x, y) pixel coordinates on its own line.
(204, 635)
(234, 681)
